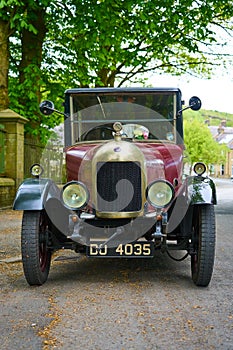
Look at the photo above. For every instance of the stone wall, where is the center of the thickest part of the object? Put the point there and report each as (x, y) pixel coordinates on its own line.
(13, 173)
(7, 192)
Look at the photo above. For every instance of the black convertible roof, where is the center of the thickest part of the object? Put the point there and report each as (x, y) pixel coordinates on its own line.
(120, 90)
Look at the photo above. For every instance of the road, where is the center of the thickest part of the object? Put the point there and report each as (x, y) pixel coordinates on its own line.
(118, 304)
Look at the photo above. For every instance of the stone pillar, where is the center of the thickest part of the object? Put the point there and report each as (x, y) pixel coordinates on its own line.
(14, 145)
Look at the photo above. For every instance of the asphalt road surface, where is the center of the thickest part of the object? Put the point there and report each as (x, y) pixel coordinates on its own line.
(107, 304)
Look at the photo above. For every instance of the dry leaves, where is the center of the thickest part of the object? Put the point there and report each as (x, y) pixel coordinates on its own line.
(50, 341)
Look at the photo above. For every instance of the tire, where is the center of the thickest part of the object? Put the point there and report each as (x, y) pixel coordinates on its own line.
(203, 241)
(36, 256)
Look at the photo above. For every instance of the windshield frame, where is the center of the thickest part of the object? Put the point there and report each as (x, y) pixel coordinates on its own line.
(75, 126)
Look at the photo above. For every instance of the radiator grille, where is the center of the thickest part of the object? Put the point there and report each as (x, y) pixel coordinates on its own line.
(119, 186)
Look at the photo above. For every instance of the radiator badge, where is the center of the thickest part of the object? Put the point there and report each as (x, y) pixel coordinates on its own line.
(117, 149)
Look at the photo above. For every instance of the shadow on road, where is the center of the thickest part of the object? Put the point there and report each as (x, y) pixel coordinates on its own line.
(160, 269)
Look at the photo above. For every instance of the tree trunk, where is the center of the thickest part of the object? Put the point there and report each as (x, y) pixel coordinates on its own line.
(32, 51)
(107, 77)
(4, 63)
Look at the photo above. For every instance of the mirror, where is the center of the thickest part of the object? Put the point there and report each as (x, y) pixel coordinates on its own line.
(47, 107)
(195, 103)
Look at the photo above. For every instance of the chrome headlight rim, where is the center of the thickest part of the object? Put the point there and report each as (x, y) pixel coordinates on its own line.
(77, 184)
(36, 170)
(171, 196)
(199, 168)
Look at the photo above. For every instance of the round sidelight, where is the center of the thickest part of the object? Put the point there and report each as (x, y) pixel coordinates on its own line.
(75, 195)
(36, 170)
(160, 193)
(199, 168)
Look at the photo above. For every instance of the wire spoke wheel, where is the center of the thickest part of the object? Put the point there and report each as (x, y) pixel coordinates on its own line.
(36, 256)
(203, 242)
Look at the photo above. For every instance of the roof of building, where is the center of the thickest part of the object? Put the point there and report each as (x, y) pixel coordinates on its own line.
(223, 134)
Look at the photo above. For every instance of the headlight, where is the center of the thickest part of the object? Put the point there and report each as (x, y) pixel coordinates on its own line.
(36, 170)
(75, 195)
(160, 193)
(199, 168)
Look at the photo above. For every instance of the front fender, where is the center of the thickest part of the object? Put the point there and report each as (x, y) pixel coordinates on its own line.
(201, 190)
(34, 193)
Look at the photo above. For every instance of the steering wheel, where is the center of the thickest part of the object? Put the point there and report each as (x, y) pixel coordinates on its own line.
(104, 127)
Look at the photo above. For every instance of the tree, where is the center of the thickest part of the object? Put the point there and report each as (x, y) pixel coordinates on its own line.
(54, 45)
(113, 43)
(4, 63)
(26, 23)
(200, 145)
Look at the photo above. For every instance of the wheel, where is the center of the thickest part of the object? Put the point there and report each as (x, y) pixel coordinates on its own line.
(203, 242)
(36, 256)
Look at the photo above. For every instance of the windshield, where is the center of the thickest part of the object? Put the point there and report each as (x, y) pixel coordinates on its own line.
(143, 116)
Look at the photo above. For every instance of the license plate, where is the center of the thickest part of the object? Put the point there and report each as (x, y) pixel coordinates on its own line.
(130, 250)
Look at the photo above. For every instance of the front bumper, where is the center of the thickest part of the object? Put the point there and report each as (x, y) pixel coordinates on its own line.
(110, 232)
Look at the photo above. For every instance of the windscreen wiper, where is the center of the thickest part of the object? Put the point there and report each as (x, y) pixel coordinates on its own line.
(101, 106)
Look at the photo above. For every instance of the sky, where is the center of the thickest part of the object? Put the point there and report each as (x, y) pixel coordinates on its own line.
(215, 93)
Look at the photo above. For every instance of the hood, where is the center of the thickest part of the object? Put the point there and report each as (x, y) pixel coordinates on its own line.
(159, 160)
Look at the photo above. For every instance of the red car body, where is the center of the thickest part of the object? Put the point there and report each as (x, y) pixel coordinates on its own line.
(170, 156)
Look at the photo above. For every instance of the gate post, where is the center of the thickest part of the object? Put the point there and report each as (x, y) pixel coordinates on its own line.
(2, 149)
(14, 151)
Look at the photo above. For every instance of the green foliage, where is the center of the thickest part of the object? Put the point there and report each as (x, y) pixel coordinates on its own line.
(115, 42)
(55, 45)
(200, 145)
(208, 116)
(39, 125)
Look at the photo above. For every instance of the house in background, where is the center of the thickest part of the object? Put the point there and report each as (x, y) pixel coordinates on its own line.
(224, 135)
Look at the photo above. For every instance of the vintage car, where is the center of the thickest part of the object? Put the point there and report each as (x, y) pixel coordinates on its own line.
(125, 195)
